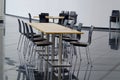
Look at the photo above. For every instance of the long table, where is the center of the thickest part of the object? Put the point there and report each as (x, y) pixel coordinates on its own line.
(52, 28)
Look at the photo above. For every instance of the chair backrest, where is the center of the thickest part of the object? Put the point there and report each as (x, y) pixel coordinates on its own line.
(61, 21)
(29, 31)
(42, 17)
(72, 13)
(90, 34)
(79, 26)
(115, 13)
(72, 24)
(65, 14)
(24, 28)
(30, 18)
(73, 16)
(79, 29)
(65, 22)
(115, 16)
(20, 27)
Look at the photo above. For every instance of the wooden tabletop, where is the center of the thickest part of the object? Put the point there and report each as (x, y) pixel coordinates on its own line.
(51, 17)
(55, 17)
(52, 28)
(35, 16)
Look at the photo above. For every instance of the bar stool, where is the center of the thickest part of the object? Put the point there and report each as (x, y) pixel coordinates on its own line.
(85, 44)
(30, 38)
(30, 57)
(22, 38)
(22, 31)
(21, 34)
(72, 37)
(69, 51)
(22, 43)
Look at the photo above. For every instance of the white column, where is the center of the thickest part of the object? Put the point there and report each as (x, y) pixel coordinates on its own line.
(1, 53)
(1, 9)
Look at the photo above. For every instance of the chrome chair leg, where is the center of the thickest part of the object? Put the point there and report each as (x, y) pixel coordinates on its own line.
(80, 59)
(88, 56)
(19, 75)
(19, 41)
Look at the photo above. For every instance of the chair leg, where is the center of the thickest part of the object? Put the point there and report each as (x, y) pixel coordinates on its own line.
(80, 59)
(90, 60)
(23, 76)
(85, 75)
(19, 74)
(25, 46)
(88, 56)
(70, 59)
(87, 72)
(22, 43)
(19, 41)
(75, 54)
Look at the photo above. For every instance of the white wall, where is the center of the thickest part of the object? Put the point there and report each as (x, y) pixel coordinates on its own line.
(101, 10)
(1, 9)
(95, 12)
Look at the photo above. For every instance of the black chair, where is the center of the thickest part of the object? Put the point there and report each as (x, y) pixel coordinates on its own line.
(65, 15)
(115, 16)
(85, 44)
(20, 31)
(42, 18)
(22, 39)
(31, 45)
(61, 21)
(70, 37)
(73, 16)
(22, 35)
(113, 36)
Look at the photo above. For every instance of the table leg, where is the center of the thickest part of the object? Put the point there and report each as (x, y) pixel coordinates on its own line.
(53, 48)
(53, 56)
(46, 65)
(60, 56)
(53, 20)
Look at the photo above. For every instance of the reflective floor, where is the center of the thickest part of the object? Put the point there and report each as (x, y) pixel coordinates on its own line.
(106, 61)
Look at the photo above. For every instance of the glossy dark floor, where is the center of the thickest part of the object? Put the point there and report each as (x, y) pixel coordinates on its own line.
(106, 61)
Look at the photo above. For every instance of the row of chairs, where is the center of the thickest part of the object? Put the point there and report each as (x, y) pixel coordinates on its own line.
(29, 43)
(68, 15)
(32, 47)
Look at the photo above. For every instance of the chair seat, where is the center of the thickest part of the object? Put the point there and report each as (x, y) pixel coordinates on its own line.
(76, 43)
(69, 39)
(64, 36)
(35, 35)
(43, 43)
(38, 39)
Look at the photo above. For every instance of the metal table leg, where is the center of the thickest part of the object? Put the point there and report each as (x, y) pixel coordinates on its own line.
(60, 56)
